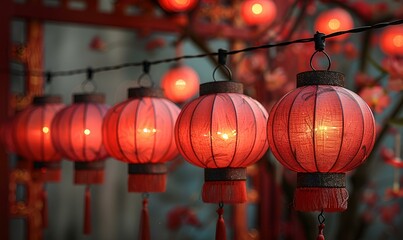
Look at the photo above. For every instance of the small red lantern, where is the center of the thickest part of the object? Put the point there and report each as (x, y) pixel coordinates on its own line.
(391, 40)
(321, 130)
(334, 20)
(180, 83)
(140, 131)
(77, 135)
(256, 12)
(32, 140)
(177, 5)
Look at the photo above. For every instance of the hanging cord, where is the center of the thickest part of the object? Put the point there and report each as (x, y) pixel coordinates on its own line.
(144, 231)
(321, 226)
(222, 60)
(44, 212)
(220, 233)
(319, 39)
(146, 73)
(87, 211)
(88, 85)
(175, 59)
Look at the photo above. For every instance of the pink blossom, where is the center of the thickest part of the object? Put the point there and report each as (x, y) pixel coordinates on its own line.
(388, 213)
(97, 44)
(376, 97)
(394, 66)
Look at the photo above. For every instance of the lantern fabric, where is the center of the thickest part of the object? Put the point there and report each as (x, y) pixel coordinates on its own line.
(139, 131)
(256, 12)
(180, 83)
(77, 135)
(321, 130)
(334, 20)
(32, 140)
(391, 41)
(177, 5)
(223, 132)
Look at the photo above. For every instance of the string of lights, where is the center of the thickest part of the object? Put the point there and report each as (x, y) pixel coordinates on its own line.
(175, 59)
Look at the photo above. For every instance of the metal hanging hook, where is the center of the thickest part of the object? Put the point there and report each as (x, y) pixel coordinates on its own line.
(222, 59)
(89, 85)
(320, 47)
(146, 70)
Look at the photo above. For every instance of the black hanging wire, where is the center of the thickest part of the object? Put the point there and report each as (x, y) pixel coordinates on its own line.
(175, 59)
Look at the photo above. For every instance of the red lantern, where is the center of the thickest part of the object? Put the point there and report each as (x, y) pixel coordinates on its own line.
(32, 140)
(140, 131)
(256, 12)
(180, 83)
(334, 20)
(391, 40)
(221, 132)
(321, 130)
(177, 5)
(77, 135)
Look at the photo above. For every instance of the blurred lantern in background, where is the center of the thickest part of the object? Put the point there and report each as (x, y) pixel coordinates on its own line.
(391, 41)
(334, 20)
(32, 140)
(77, 135)
(321, 130)
(255, 12)
(140, 131)
(222, 131)
(177, 5)
(180, 83)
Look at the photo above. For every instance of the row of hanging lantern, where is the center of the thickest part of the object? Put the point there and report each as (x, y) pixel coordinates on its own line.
(320, 130)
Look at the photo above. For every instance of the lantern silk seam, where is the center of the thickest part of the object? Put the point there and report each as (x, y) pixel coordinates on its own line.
(342, 133)
(211, 130)
(172, 124)
(135, 125)
(102, 113)
(85, 127)
(41, 131)
(237, 134)
(70, 137)
(314, 127)
(117, 131)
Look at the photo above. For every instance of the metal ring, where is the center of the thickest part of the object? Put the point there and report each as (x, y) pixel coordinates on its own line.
(145, 195)
(142, 76)
(327, 56)
(226, 68)
(88, 83)
(221, 204)
(321, 218)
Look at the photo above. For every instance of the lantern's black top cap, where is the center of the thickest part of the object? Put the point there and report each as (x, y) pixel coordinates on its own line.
(140, 92)
(89, 98)
(220, 87)
(322, 77)
(47, 99)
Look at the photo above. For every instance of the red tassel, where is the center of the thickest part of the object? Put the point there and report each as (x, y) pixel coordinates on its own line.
(87, 211)
(320, 235)
(147, 182)
(318, 199)
(89, 176)
(44, 208)
(230, 192)
(144, 230)
(220, 233)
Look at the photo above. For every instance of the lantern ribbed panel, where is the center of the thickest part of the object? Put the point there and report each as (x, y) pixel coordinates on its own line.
(222, 130)
(77, 132)
(140, 130)
(321, 129)
(31, 133)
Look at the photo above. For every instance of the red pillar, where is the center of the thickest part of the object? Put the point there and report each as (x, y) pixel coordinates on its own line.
(5, 54)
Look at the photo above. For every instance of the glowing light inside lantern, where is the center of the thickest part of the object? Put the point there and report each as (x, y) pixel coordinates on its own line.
(257, 8)
(334, 24)
(182, 2)
(226, 136)
(398, 41)
(87, 132)
(148, 130)
(180, 84)
(45, 130)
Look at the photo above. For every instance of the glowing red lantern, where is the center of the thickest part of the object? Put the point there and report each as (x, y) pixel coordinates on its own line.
(221, 132)
(77, 135)
(334, 20)
(256, 12)
(321, 130)
(32, 140)
(177, 5)
(139, 131)
(391, 40)
(180, 83)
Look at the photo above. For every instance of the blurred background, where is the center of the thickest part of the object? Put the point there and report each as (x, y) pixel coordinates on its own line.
(60, 35)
